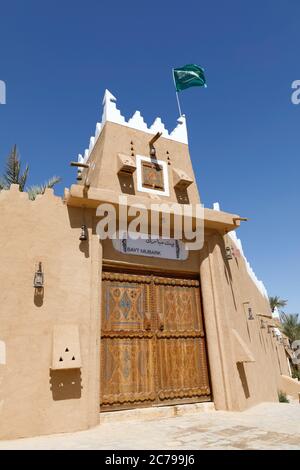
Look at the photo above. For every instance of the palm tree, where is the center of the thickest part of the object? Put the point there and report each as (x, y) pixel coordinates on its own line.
(14, 175)
(276, 302)
(290, 325)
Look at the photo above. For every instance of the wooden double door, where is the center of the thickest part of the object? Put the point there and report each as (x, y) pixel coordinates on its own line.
(152, 342)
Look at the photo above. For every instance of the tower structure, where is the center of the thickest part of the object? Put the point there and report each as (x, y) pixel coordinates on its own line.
(92, 323)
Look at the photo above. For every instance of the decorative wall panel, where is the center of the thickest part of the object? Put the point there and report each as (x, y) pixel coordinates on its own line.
(152, 342)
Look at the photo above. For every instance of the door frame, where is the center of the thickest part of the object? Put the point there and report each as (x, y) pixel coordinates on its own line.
(139, 269)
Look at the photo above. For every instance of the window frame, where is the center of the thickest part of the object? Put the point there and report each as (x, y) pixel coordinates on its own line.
(140, 159)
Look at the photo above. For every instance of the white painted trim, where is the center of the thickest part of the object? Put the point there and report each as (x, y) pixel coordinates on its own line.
(259, 284)
(112, 114)
(277, 332)
(139, 160)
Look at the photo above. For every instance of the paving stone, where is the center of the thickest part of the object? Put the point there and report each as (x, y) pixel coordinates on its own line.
(267, 426)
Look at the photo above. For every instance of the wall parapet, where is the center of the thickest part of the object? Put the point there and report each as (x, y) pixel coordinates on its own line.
(112, 114)
(238, 244)
(14, 193)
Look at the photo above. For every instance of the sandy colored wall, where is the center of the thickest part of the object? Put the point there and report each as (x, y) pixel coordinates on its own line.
(237, 385)
(33, 399)
(188, 266)
(227, 292)
(116, 139)
(290, 386)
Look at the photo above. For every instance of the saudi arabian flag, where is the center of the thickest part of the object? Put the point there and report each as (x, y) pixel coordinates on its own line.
(187, 76)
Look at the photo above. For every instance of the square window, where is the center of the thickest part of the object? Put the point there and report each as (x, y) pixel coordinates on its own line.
(152, 176)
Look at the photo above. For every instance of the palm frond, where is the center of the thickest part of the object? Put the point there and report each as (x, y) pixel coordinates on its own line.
(52, 182)
(290, 325)
(277, 302)
(23, 178)
(12, 174)
(12, 170)
(34, 191)
(2, 184)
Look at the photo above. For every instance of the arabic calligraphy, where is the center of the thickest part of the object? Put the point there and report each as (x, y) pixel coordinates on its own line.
(153, 247)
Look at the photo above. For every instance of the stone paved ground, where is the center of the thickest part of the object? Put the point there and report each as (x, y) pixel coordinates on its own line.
(267, 426)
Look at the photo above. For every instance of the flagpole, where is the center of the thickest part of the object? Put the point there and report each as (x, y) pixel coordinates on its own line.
(178, 102)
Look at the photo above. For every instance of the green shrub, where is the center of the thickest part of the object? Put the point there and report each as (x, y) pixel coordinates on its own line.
(282, 398)
(296, 374)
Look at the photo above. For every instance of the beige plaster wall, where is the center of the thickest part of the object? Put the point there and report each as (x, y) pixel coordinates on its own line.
(227, 291)
(116, 139)
(34, 400)
(190, 266)
(290, 386)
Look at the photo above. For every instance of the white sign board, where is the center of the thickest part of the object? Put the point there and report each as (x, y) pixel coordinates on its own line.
(155, 248)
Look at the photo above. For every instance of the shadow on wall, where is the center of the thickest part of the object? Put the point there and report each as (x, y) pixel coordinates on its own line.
(38, 297)
(84, 247)
(126, 183)
(182, 196)
(79, 217)
(65, 384)
(227, 269)
(243, 378)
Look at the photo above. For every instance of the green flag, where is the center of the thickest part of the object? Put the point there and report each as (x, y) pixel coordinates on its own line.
(187, 76)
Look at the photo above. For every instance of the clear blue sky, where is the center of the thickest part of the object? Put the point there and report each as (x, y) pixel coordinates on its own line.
(58, 57)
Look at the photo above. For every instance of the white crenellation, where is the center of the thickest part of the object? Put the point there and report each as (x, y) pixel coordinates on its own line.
(158, 126)
(112, 114)
(86, 155)
(137, 122)
(276, 313)
(259, 284)
(110, 111)
(180, 132)
(98, 129)
(92, 142)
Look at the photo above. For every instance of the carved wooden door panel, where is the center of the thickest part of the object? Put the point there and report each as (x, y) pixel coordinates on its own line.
(182, 369)
(127, 357)
(152, 342)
